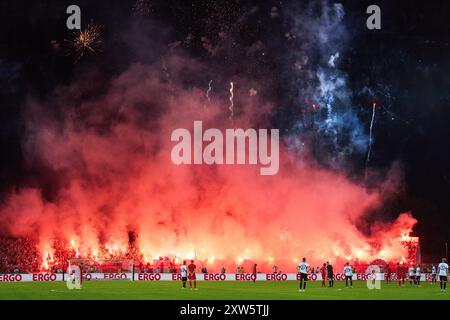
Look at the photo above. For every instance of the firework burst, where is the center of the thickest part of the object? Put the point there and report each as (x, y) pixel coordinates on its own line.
(84, 42)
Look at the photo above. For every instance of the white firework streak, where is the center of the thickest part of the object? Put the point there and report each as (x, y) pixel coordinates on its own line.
(231, 108)
(371, 133)
(209, 90)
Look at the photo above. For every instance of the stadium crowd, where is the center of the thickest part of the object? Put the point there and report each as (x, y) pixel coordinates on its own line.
(23, 256)
(18, 256)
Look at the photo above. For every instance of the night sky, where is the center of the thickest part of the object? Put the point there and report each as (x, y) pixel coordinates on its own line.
(404, 67)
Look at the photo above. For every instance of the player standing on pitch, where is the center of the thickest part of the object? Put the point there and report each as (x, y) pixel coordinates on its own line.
(418, 275)
(443, 274)
(400, 274)
(303, 269)
(348, 275)
(433, 274)
(411, 275)
(254, 273)
(323, 271)
(388, 274)
(184, 274)
(330, 274)
(191, 275)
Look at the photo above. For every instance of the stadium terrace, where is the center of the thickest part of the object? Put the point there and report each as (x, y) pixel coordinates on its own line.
(24, 256)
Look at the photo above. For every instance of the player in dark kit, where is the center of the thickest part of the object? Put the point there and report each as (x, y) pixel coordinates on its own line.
(330, 275)
(191, 275)
(254, 273)
(433, 274)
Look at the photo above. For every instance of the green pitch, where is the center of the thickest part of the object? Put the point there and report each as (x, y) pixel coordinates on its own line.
(228, 290)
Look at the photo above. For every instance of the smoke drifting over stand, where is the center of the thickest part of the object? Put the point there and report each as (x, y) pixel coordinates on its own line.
(106, 144)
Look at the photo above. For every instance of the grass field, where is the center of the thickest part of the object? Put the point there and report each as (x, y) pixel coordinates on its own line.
(228, 290)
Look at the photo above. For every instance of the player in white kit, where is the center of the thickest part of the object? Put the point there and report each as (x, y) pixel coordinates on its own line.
(184, 274)
(443, 274)
(412, 275)
(303, 269)
(348, 271)
(418, 275)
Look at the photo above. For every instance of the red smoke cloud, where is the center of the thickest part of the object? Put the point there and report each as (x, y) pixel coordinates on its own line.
(109, 153)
